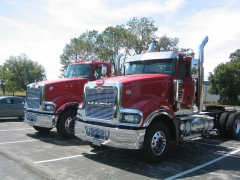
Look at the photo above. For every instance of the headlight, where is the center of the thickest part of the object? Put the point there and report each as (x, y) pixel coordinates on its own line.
(131, 118)
(48, 107)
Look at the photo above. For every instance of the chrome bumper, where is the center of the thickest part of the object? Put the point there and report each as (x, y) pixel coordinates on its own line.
(120, 138)
(40, 120)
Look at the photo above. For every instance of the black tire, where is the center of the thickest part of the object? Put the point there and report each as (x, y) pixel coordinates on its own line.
(155, 150)
(102, 147)
(65, 124)
(223, 124)
(233, 126)
(42, 129)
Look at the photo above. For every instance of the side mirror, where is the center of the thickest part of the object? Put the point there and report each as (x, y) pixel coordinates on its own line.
(122, 70)
(104, 71)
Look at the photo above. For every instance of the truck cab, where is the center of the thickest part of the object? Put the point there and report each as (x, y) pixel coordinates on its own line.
(54, 103)
(154, 102)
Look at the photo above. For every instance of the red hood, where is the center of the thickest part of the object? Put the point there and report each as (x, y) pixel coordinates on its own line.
(136, 77)
(61, 81)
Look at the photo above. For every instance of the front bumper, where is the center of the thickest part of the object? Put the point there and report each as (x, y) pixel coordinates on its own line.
(40, 120)
(120, 138)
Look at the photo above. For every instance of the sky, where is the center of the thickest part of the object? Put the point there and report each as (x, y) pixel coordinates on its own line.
(41, 28)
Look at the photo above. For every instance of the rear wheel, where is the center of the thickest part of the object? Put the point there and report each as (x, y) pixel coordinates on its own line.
(156, 143)
(223, 124)
(42, 129)
(233, 126)
(66, 123)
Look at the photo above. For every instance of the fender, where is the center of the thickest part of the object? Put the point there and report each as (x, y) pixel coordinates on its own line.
(150, 105)
(66, 105)
(65, 100)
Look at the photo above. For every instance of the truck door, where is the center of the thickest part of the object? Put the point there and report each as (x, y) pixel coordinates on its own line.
(184, 73)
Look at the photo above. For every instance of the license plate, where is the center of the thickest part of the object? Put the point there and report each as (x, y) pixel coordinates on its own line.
(31, 117)
(96, 142)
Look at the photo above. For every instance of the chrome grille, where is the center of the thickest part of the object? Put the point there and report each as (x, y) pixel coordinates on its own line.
(33, 97)
(100, 105)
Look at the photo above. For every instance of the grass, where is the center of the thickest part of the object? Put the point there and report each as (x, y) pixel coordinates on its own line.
(18, 93)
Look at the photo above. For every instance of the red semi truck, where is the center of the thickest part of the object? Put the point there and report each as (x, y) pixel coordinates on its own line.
(54, 103)
(156, 102)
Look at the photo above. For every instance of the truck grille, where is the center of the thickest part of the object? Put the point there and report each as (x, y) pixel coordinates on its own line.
(100, 105)
(33, 97)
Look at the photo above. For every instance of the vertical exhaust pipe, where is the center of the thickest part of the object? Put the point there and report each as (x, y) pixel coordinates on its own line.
(117, 71)
(201, 73)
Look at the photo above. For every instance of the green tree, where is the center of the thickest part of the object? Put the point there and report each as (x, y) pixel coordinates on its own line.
(78, 48)
(143, 33)
(110, 42)
(167, 43)
(3, 79)
(235, 56)
(225, 81)
(20, 71)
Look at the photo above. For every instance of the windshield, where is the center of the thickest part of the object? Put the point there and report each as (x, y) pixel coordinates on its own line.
(161, 66)
(79, 70)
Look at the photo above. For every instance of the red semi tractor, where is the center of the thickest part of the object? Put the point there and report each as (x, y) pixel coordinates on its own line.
(54, 103)
(156, 101)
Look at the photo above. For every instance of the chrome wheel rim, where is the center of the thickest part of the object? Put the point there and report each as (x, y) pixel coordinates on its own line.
(237, 126)
(69, 125)
(158, 143)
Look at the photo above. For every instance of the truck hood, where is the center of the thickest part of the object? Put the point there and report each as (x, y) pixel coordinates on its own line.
(137, 78)
(62, 81)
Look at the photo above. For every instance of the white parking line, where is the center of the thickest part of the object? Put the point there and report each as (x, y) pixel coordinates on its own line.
(203, 165)
(69, 157)
(15, 129)
(210, 144)
(13, 142)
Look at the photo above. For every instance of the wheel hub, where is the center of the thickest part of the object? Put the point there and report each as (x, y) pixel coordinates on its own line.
(237, 126)
(69, 125)
(158, 143)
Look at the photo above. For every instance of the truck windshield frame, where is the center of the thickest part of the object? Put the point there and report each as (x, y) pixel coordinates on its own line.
(156, 66)
(79, 70)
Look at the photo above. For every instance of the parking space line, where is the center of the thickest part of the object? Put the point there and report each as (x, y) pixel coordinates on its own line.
(202, 166)
(15, 129)
(27, 140)
(210, 144)
(69, 157)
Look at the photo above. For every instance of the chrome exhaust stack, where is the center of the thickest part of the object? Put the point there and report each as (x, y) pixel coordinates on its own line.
(117, 65)
(201, 73)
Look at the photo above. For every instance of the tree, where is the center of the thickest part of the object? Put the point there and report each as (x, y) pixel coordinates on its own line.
(235, 56)
(3, 79)
(78, 48)
(167, 43)
(143, 34)
(225, 81)
(110, 42)
(20, 71)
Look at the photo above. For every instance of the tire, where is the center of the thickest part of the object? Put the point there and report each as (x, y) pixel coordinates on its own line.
(233, 126)
(223, 124)
(155, 150)
(42, 129)
(65, 124)
(102, 147)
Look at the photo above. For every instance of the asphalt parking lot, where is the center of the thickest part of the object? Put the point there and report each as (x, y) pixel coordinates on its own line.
(27, 154)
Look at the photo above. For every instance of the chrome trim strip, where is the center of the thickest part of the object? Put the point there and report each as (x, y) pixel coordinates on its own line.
(155, 114)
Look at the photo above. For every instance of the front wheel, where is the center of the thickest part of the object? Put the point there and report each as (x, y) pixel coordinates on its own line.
(42, 129)
(233, 126)
(156, 143)
(66, 123)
